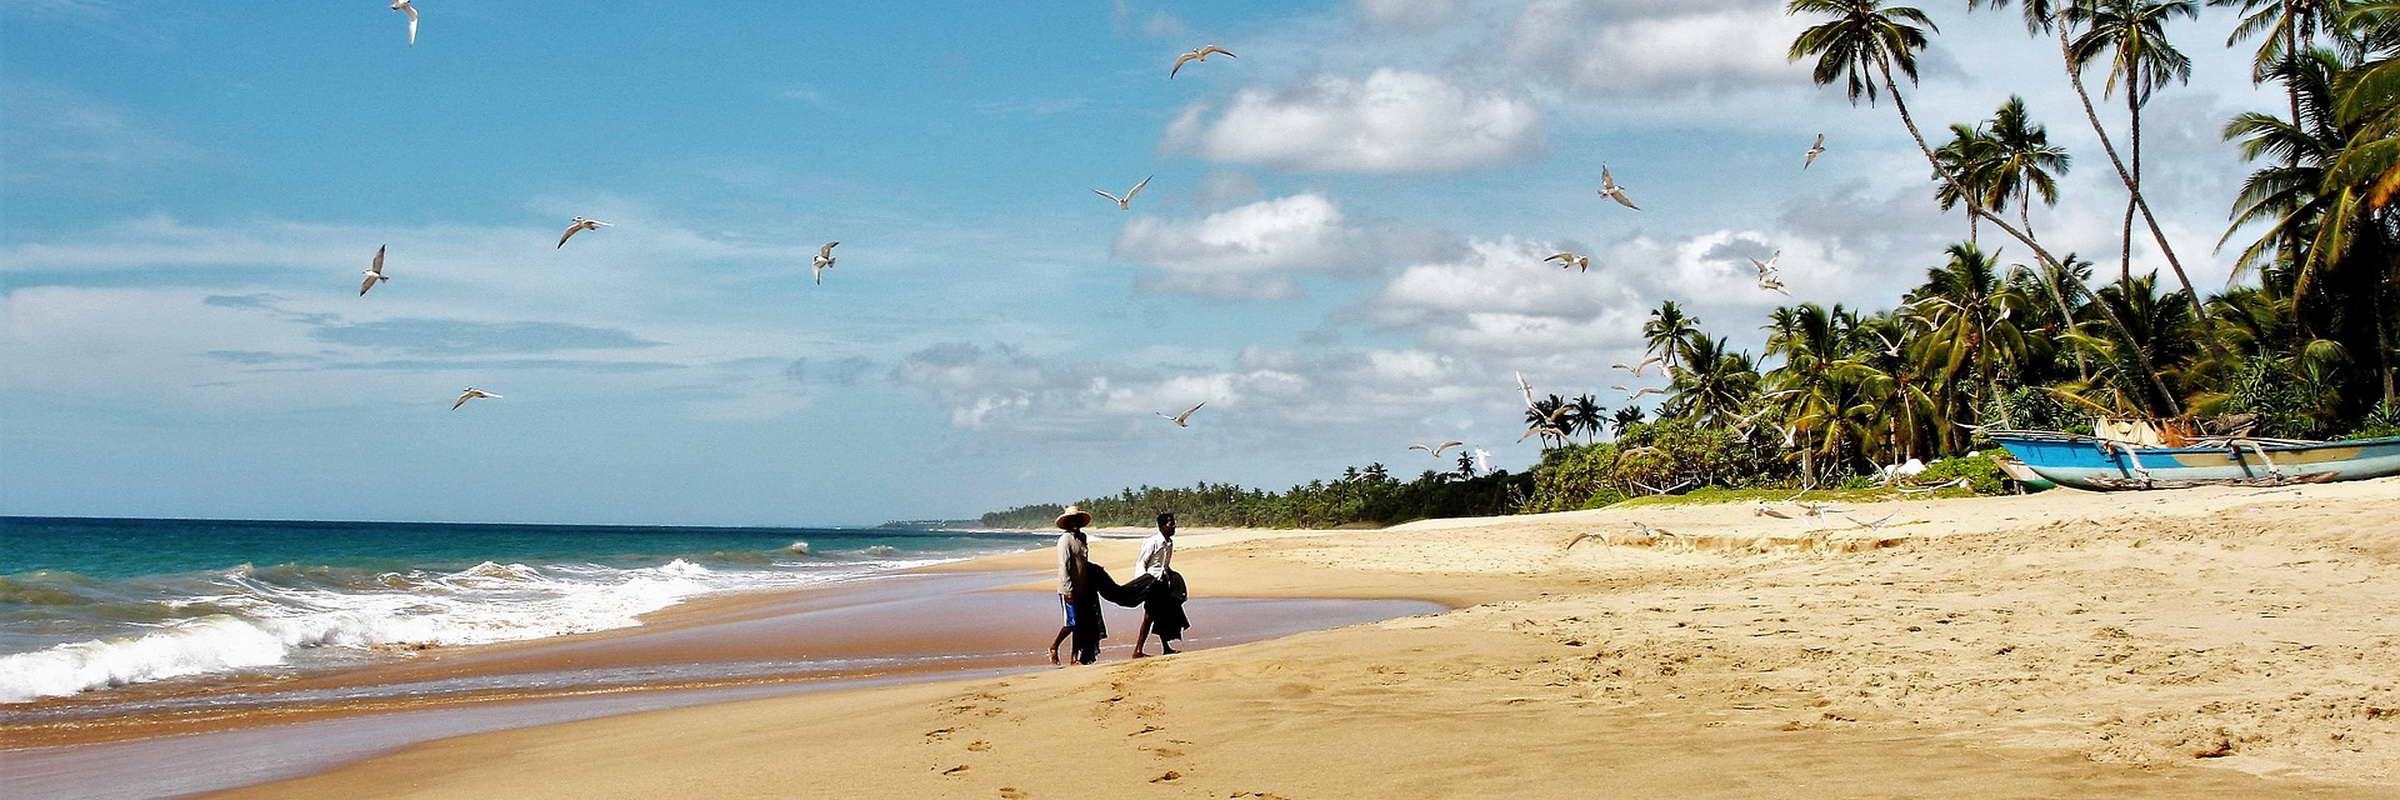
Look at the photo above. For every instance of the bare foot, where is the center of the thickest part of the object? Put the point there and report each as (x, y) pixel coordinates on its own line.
(1140, 654)
(1054, 655)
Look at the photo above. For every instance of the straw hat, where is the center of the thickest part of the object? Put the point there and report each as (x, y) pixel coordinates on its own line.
(1071, 513)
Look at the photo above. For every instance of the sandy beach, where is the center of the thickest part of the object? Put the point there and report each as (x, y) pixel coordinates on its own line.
(2203, 643)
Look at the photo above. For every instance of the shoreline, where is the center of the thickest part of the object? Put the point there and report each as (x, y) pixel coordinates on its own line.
(2054, 644)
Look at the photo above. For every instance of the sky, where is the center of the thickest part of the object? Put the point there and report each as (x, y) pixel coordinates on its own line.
(1340, 250)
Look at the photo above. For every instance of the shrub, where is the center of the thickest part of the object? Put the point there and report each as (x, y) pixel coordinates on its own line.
(1982, 471)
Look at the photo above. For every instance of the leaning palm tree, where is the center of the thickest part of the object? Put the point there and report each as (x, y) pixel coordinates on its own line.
(1866, 40)
(2132, 35)
(2063, 18)
(2288, 193)
(2025, 165)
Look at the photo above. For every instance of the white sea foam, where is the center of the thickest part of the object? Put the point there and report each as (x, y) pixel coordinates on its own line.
(272, 623)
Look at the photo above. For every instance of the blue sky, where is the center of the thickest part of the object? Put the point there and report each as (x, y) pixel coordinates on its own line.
(1337, 251)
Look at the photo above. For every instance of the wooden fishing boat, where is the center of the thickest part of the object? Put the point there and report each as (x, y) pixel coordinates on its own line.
(2102, 464)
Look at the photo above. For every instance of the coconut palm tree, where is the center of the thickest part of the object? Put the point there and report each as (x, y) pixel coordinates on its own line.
(2291, 26)
(2132, 35)
(1628, 417)
(1973, 314)
(1969, 155)
(1719, 383)
(1588, 417)
(1669, 333)
(1539, 415)
(1865, 40)
(2025, 165)
(1814, 384)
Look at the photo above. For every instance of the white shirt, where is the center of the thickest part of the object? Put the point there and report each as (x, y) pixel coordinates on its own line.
(1156, 552)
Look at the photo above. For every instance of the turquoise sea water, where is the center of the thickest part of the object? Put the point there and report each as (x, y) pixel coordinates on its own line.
(89, 604)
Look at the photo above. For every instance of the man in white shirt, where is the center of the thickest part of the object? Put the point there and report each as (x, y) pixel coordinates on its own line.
(1163, 589)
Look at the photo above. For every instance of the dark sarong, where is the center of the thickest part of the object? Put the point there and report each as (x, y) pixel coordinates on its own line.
(1089, 627)
(1162, 600)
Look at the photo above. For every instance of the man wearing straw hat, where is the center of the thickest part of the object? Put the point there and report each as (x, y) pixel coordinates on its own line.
(1077, 596)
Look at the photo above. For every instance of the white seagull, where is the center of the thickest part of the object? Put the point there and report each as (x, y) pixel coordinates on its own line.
(1637, 368)
(1814, 150)
(1527, 388)
(402, 5)
(1610, 189)
(1436, 451)
(1201, 54)
(374, 273)
(1766, 269)
(1636, 394)
(1125, 203)
(1182, 420)
(1571, 260)
(471, 394)
(824, 261)
(579, 225)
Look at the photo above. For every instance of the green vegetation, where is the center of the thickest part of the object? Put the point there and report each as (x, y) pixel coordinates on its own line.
(1368, 497)
(2003, 331)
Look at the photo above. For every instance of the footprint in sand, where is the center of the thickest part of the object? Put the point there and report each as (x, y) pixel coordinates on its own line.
(1169, 777)
(955, 771)
(978, 746)
(1012, 793)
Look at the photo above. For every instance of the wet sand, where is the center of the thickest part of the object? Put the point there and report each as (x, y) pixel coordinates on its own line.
(2203, 643)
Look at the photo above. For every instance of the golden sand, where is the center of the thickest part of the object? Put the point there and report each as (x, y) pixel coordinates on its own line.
(2200, 643)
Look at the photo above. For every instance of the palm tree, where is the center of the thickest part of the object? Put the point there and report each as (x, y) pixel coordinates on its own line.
(1716, 387)
(1972, 311)
(1969, 155)
(1628, 417)
(1539, 415)
(1588, 417)
(2025, 165)
(2132, 33)
(1865, 40)
(1813, 384)
(2320, 219)
(2290, 27)
(1669, 333)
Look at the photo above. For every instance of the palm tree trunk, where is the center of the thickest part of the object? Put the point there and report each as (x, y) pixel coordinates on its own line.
(2166, 397)
(2133, 188)
(2132, 183)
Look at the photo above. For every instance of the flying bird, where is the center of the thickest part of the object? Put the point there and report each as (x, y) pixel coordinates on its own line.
(1125, 203)
(402, 5)
(1571, 260)
(1527, 388)
(579, 225)
(1436, 451)
(1766, 269)
(1637, 368)
(1814, 150)
(1889, 348)
(471, 394)
(1876, 525)
(1544, 430)
(1182, 420)
(1201, 54)
(373, 272)
(824, 261)
(1610, 189)
(1636, 394)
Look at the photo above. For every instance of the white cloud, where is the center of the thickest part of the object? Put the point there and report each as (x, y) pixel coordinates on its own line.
(1250, 251)
(1408, 13)
(1392, 122)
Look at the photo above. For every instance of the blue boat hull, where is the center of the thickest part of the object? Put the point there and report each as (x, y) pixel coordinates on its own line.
(2086, 463)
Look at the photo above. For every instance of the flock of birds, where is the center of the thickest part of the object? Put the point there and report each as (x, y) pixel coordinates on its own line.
(1549, 425)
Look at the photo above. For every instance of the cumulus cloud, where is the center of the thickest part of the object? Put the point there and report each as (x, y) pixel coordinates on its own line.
(1615, 48)
(1417, 14)
(1251, 251)
(1499, 299)
(1391, 122)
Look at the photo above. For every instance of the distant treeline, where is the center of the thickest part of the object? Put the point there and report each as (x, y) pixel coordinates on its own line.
(931, 524)
(1360, 496)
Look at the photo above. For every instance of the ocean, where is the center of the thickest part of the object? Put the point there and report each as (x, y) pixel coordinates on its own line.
(89, 604)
